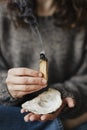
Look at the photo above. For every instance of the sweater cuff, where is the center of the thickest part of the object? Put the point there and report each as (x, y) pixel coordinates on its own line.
(66, 90)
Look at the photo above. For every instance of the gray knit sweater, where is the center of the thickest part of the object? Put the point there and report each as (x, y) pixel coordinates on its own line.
(67, 55)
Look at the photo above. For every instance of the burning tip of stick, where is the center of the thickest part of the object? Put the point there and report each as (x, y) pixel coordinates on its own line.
(42, 55)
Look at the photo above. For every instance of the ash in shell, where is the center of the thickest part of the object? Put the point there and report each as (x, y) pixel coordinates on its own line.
(47, 102)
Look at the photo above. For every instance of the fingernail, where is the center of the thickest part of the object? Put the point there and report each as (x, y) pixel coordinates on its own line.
(32, 118)
(44, 81)
(40, 74)
(26, 120)
(43, 118)
(72, 104)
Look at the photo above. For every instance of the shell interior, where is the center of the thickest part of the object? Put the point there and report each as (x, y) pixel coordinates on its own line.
(47, 102)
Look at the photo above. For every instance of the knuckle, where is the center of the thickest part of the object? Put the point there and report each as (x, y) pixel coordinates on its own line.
(25, 80)
(10, 71)
(7, 80)
(10, 88)
(25, 87)
(31, 80)
(34, 80)
(15, 95)
(40, 81)
(35, 73)
(20, 95)
(23, 71)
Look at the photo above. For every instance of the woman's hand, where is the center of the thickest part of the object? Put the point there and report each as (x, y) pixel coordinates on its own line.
(33, 117)
(23, 81)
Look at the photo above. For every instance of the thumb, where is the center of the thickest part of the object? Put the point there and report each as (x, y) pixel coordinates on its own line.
(70, 102)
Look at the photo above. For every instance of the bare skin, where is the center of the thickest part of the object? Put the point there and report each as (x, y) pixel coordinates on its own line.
(23, 81)
(45, 7)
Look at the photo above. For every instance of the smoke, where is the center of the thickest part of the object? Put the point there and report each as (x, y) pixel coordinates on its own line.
(26, 11)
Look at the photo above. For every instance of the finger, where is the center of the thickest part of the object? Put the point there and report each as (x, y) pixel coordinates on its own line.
(32, 117)
(23, 110)
(25, 80)
(24, 71)
(26, 88)
(20, 94)
(47, 117)
(70, 102)
(53, 115)
(27, 117)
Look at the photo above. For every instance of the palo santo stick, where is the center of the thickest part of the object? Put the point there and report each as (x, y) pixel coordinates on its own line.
(44, 65)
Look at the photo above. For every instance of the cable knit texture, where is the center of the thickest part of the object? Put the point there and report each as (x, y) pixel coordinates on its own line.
(66, 51)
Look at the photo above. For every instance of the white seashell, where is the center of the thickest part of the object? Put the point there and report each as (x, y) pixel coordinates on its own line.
(47, 102)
